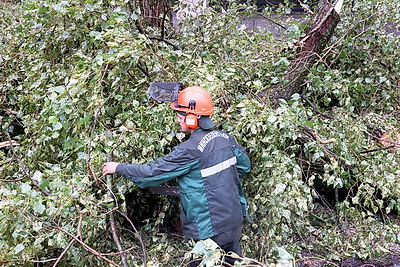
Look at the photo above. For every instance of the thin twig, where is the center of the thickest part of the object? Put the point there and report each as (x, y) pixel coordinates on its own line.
(316, 110)
(315, 258)
(117, 242)
(92, 173)
(377, 149)
(271, 20)
(138, 236)
(118, 253)
(88, 248)
(112, 223)
(96, 115)
(33, 182)
(79, 235)
(13, 180)
(24, 260)
(163, 22)
(8, 143)
(9, 111)
(165, 41)
(305, 7)
(142, 69)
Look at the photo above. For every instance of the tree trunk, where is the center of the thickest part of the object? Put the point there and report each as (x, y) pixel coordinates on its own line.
(310, 48)
(154, 11)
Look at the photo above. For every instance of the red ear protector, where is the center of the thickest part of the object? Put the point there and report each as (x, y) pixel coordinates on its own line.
(191, 119)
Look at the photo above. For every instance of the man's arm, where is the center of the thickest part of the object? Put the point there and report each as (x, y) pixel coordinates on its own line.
(243, 164)
(173, 165)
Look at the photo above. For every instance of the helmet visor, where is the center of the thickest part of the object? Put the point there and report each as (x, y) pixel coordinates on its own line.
(166, 92)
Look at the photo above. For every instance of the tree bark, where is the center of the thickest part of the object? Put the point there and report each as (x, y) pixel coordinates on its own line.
(154, 11)
(310, 47)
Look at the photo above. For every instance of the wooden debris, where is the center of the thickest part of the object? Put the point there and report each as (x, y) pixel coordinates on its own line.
(318, 138)
(8, 143)
(390, 138)
(308, 51)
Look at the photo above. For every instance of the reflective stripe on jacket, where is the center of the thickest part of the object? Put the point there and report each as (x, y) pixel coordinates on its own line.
(208, 167)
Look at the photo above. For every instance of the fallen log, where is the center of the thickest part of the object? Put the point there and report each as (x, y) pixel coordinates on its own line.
(309, 49)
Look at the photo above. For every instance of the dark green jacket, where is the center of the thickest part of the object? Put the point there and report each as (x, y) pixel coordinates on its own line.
(208, 167)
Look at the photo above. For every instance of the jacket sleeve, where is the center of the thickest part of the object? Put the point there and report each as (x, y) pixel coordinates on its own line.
(173, 165)
(243, 161)
(243, 167)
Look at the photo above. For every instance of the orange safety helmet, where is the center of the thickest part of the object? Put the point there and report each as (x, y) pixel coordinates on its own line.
(195, 100)
(196, 103)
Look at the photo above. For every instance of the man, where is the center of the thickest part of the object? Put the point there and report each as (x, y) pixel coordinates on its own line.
(208, 167)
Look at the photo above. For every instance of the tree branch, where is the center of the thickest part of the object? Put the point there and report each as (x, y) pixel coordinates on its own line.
(165, 41)
(112, 222)
(138, 236)
(88, 248)
(33, 182)
(309, 49)
(79, 235)
(377, 149)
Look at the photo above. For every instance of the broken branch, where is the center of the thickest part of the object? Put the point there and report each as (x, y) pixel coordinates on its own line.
(79, 235)
(33, 182)
(112, 223)
(85, 246)
(309, 49)
(8, 143)
(138, 236)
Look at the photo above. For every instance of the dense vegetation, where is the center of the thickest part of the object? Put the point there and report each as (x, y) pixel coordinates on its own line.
(74, 78)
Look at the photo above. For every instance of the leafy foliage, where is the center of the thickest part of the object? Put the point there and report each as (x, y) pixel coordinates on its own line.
(76, 74)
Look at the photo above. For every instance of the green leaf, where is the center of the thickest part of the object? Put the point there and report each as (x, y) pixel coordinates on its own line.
(43, 10)
(58, 89)
(44, 183)
(25, 188)
(272, 118)
(53, 119)
(39, 208)
(99, 60)
(310, 124)
(82, 155)
(18, 248)
(296, 96)
(57, 126)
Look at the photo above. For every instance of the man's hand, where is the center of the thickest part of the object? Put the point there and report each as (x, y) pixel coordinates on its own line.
(109, 168)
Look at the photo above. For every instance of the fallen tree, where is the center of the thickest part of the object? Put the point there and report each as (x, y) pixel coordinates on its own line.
(309, 49)
(77, 77)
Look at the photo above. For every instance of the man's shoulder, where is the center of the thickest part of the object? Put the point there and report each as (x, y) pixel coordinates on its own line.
(201, 138)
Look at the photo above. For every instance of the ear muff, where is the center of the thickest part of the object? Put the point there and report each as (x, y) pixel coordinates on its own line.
(191, 121)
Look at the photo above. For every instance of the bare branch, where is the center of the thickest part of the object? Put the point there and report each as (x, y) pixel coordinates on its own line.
(33, 182)
(8, 143)
(13, 180)
(79, 235)
(138, 236)
(305, 7)
(377, 149)
(112, 223)
(88, 248)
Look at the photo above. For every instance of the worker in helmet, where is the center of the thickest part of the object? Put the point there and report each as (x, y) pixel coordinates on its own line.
(208, 167)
